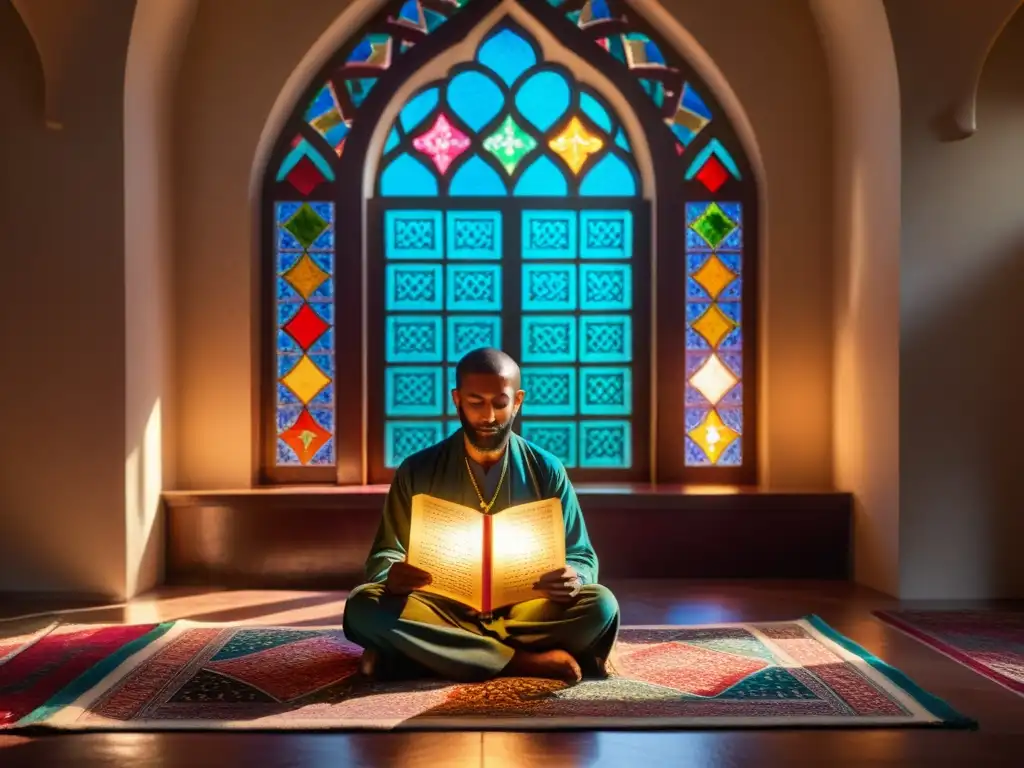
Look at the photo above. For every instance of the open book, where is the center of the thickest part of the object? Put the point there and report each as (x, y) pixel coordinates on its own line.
(486, 561)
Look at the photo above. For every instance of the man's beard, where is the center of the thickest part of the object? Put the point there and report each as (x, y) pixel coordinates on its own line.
(489, 442)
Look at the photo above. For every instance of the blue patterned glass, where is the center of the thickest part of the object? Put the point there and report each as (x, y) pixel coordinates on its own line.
(413, 287)
(406, 176)
(549, 339)
(606, 287)
(550, 391)
(469, 332)
(558, 437)
(543, 99)
(475, 98)
(474, 287)
(413, 235)
(596, 111)
(606, 444)
(549, 287)
(606, 339)
(606, 391)
(417, 108)
(606, 234)
(413, 339)
(474, 235)
(413, 391)
(404, 438)
(549, 235)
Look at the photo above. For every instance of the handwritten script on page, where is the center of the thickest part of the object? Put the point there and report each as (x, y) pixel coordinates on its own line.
(446, 541)
(527, 541)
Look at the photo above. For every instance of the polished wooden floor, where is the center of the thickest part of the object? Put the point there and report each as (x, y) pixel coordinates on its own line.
(999, 740)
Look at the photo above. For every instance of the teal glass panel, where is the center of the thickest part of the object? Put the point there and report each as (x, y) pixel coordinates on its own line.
(359, 89)
(549, 339)
(404, 438)
(406, 176)
(606, 391)
(452, 427)
(417, 108)
(606, 287)
(469, 332)
(606, 339)
(508, 54)
(610, 177)
(622, 141)
(549, 287)
(475, 178)
(475, 98)
(450, 407)
(392, 142)
(557, 437)
(413, 339)
(474, 234)
(549, 235)
(542, 178)
(549, 391)
(606, 445)
(413, 287)
(474, 287)
(713, 147)
(606, 234)
(596, 111)
(413, 391)
(543, 99)
(413, 235)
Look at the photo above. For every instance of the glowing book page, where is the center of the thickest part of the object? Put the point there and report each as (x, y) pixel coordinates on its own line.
(528, 541)
(446, 541)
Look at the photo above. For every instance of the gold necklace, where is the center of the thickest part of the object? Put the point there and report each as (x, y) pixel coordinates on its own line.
(483, 504)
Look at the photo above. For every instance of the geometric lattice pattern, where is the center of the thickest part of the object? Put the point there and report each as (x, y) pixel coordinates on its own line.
(577, 335)
(714, 335)
(304, 318)
(786, 674)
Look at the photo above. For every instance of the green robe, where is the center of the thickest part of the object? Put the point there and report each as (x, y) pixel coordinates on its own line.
(443, 636)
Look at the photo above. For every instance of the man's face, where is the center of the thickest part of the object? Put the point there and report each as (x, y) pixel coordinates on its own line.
(487, 405)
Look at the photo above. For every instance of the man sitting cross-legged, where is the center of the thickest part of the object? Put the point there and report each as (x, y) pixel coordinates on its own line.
(565, 633)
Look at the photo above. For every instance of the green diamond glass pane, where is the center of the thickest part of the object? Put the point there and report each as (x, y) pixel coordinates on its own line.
(510, 144)
(713, 225)
(306, 225)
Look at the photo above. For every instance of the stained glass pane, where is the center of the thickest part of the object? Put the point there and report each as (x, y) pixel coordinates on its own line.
(550, 391)
(304, 168)
(575, 144)
(610, 177)
(605, 444)
(413, 287)
(475, 178)
(549, 287)
(549, 339)
(606, 287)
(606, 339)
(691, 116)
(543, 99)
(606, 391)
(442, 143)
(413, 339)
(542, 178)
(469, 332)
(413, 235)
(404, 438)
(596, 111)
(474, 287)
(305, 315)
(558, 437)
(713, 393)
(507, 54)
(549, 235)
(326, 117)
(713, 149)
(509, 144)
(474, 235)
(417, 108)
(407, 177)
(606, 234)
(475, 98)
(413, 391)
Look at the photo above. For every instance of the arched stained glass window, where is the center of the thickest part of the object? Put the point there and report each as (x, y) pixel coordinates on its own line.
(508, 213)
(589, 211)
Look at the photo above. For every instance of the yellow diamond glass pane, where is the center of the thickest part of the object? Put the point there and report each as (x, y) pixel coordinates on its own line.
(713, 436)
(714, 325)
(713, 380)
(575, 144)
(305, 380)
(714, 276)
(305, 277)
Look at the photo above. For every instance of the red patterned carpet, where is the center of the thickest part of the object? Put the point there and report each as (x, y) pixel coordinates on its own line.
(989, 642)
(193, 675)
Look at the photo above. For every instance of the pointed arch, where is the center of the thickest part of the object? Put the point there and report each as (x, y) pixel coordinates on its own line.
(382, 136)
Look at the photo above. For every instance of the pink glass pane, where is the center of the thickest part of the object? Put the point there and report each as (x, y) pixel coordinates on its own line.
(442, 143)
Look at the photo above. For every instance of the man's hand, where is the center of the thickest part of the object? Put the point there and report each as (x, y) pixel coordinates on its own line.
(404, 578)
(560, 586)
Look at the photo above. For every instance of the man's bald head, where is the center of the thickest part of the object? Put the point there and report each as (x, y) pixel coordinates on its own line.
(488, 361)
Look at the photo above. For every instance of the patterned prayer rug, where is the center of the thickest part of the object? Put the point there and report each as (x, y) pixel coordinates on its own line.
(203, 676)
(989, 642)
(38, 666)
